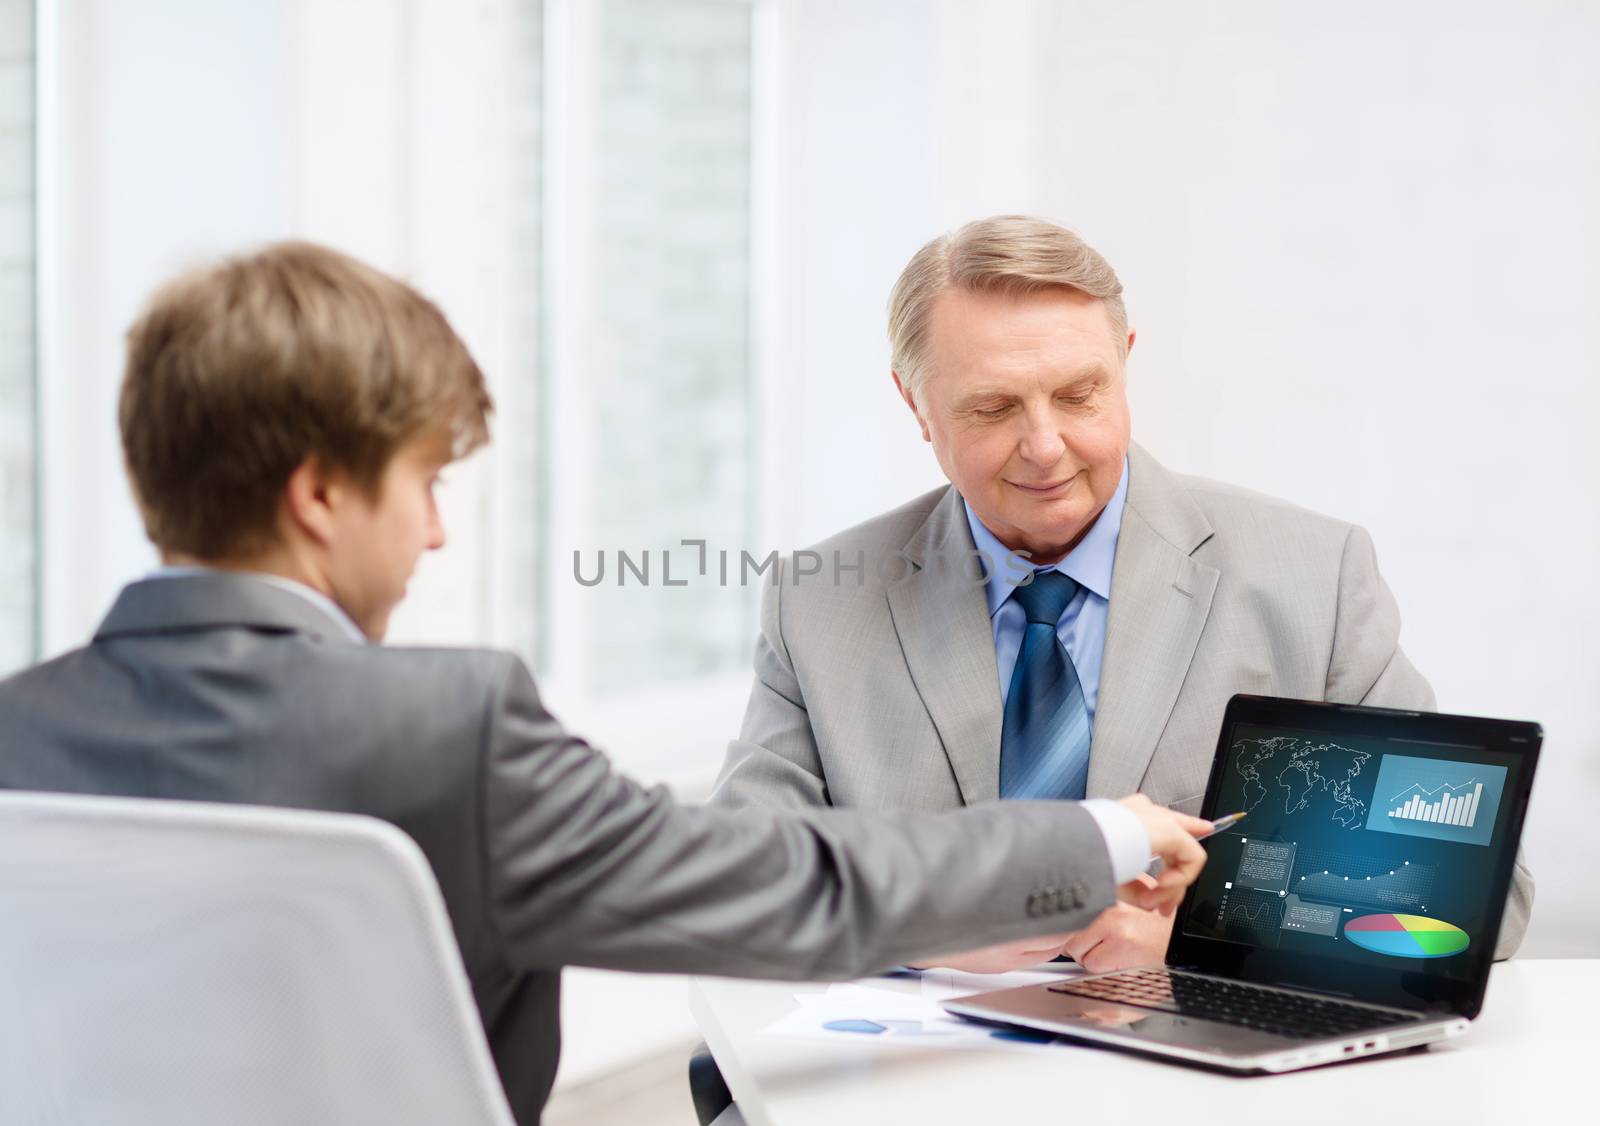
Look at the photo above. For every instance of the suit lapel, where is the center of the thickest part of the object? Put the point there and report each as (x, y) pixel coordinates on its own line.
(942, 620)
(1160, 599)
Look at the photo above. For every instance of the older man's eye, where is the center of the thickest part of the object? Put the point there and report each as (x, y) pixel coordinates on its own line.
(992, 412)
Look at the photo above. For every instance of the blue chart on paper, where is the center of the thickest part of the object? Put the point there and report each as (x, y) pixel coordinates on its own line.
(1448, 801)
(870, 1027)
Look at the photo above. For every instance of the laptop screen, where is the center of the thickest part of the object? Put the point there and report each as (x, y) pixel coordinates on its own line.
(1374, 856)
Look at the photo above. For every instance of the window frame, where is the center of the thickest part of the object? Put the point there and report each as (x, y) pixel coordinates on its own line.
(669, 731)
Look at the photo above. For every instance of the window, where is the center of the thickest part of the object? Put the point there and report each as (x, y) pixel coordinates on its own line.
(648, 390)
(18, 576)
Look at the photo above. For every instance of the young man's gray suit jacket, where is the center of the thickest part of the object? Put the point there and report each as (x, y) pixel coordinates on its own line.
(225, 688)
(876, 685)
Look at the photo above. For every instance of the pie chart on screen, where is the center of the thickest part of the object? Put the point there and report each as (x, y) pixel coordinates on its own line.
(1406, 936)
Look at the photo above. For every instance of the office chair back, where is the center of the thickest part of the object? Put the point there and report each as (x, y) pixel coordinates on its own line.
(175, 963)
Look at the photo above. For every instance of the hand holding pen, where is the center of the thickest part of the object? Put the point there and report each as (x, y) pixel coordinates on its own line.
(1172, 838)
(1157, 864)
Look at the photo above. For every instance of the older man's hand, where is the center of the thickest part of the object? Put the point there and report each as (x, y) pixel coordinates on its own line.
(1135, 931)
(1122, 936)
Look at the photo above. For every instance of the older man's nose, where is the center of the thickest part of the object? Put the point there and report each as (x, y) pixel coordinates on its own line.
(1042, 444)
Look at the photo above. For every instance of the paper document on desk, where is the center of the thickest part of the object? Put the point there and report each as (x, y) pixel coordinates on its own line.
(889, 1011)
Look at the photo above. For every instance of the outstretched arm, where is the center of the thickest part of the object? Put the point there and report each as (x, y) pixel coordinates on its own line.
(584, 866)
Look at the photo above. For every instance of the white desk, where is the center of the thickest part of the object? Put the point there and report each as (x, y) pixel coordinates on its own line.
(1532, 1056)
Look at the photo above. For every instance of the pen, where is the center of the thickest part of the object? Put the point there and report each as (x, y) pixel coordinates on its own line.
(1217, 826)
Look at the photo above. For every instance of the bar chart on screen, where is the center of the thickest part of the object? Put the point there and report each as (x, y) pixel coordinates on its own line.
(1448, 801)
(1453, 807)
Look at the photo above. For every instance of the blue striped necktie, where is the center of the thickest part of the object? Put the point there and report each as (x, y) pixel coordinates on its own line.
(1044, 739)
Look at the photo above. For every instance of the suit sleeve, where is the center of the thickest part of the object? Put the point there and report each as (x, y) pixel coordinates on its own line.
(774, 761)
(1368, 667)
(583, 866)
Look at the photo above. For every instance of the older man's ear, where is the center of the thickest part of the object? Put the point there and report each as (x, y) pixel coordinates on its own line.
(910, 401)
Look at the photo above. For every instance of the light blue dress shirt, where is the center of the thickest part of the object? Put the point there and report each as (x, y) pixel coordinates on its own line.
(1082, 630)
(1082, 627)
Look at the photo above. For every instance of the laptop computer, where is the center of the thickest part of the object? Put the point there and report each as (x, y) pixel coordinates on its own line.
(1353, 911)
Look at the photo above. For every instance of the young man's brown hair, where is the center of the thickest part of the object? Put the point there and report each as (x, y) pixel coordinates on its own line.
(239, 372)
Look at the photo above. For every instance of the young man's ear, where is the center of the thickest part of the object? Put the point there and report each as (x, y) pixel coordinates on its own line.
(310, 499)
(911, 401)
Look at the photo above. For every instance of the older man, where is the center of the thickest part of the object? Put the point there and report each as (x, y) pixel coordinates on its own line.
(1066, 617)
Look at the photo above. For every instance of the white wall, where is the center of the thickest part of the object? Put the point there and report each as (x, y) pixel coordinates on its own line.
(855, 200)
(1358, 244)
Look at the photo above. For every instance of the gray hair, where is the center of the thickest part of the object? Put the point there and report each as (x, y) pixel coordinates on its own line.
(1013, 254)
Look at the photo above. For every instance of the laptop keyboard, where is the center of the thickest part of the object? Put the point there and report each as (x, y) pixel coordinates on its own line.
(1298, 1015)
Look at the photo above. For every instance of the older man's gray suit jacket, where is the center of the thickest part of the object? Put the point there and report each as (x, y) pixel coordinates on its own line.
(876, 687)
(224, 688)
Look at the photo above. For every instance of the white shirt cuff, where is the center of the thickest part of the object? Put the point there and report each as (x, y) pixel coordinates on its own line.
(1126, 841)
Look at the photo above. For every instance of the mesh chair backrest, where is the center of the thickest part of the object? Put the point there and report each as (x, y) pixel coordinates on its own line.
(168, 963)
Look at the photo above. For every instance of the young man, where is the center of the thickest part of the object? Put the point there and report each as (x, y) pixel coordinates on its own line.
(284, 417)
